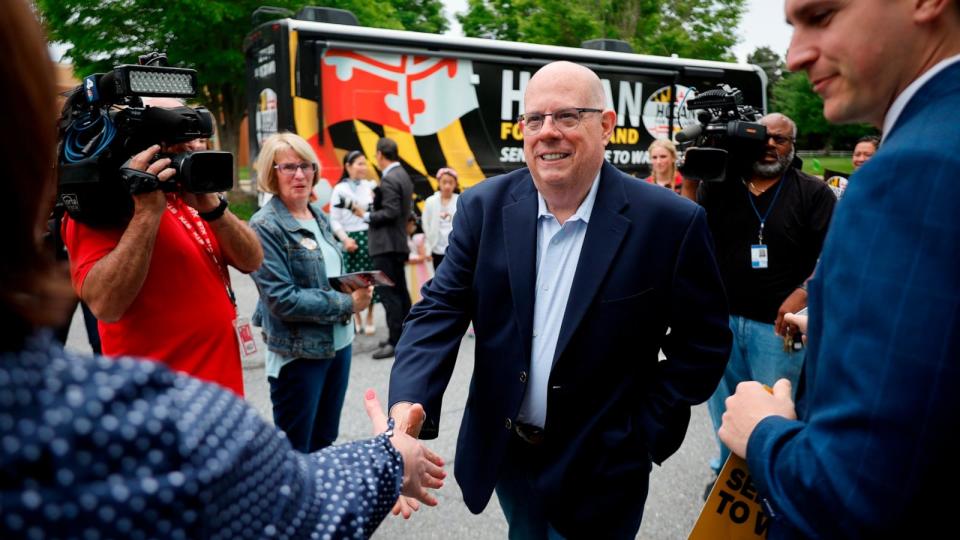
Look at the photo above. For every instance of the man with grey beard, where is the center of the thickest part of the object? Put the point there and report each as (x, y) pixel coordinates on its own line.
(768, 230)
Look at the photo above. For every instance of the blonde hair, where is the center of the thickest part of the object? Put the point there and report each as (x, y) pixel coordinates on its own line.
(274, 144)
(667, 145)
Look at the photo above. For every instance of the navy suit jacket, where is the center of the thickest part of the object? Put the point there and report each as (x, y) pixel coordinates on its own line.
(647, 264)
(877, 436)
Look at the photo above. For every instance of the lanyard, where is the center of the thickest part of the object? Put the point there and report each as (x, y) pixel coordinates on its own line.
(198, 231)
(763, 219)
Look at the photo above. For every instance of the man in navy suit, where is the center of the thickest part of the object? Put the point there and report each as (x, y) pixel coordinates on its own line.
(575, 276)
(874, 435)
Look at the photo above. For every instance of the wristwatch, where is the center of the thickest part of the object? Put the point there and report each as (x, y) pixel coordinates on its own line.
(217, 212)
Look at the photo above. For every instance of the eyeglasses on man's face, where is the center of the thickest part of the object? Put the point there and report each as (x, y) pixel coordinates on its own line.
(291, 168)
(779, 140)
(564, 119)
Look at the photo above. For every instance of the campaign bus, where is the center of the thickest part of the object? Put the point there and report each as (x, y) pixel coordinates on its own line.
(453, 101)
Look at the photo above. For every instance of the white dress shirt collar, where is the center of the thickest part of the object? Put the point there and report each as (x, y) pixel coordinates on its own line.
(389, 168)
(583, 211)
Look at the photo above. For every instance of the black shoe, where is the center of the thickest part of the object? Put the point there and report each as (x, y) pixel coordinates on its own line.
(383, 352)
(383, 343)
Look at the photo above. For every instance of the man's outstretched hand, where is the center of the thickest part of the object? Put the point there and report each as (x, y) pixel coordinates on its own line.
(409, 419)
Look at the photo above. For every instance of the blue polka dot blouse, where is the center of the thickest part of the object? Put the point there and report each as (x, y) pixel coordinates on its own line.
(122, 448)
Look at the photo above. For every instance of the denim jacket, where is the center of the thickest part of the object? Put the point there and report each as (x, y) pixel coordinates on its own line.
(297, 307)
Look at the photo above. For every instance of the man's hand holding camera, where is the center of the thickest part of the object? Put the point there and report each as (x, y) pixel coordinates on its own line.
(151, 201)
(201, 202)
(155, 200)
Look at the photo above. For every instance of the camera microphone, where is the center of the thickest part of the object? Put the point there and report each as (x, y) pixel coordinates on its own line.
(689, 133)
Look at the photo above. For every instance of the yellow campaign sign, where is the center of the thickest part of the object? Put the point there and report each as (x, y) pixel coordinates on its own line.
(407, 148)
(733, 510)
(456, 150)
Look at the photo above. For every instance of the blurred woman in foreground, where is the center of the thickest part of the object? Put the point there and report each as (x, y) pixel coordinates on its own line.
(98, 447)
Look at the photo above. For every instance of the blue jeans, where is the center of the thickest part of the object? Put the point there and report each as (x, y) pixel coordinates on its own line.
(308, 397)
(519, 500)
(757, 355)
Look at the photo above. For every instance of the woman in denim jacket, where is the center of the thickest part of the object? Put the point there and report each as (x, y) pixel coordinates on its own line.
(306, 323)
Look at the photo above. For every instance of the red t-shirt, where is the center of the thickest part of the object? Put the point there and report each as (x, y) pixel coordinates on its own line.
(182, 316)
(677, 181)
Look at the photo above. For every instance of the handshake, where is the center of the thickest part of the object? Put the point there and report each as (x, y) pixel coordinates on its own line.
(422, 468)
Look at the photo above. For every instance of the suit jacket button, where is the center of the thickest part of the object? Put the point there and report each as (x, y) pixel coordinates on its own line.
(523, 376)
(508, 424)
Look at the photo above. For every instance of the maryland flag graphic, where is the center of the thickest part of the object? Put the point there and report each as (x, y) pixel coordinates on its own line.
(416, 101)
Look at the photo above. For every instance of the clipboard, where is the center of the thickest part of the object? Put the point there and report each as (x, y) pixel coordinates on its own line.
(358, 280)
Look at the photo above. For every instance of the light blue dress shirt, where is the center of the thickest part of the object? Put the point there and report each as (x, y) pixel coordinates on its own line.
(558, 252)
(333, 264)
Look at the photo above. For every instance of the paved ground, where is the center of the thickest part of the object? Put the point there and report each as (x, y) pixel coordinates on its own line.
(675, 489)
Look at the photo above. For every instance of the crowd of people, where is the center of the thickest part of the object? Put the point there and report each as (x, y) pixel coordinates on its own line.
(603, 308)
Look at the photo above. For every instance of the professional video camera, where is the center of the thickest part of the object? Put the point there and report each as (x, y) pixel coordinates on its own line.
(104, 123)
(727, 141)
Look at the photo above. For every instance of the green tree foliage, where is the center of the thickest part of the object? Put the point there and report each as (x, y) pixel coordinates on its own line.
(793, 96)
(702, 29)
(558, 22)
(206, 35)
(623, 19)
(771, 64)
(493, 19)
(421, 15)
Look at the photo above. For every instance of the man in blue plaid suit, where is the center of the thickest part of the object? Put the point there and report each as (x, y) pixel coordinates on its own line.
(874, 433)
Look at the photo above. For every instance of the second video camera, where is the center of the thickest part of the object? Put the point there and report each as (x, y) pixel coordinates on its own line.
(728, 139)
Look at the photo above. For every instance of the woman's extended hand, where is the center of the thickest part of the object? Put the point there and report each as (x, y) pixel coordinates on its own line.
(422, 469)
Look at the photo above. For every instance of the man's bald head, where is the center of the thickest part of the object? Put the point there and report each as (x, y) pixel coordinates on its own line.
(571, 75)
(195, 145)
(564, 157)
(776, 118)
(164, 102)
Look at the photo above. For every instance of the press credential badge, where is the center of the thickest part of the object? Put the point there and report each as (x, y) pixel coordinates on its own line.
(248, 346)
(758, 256)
